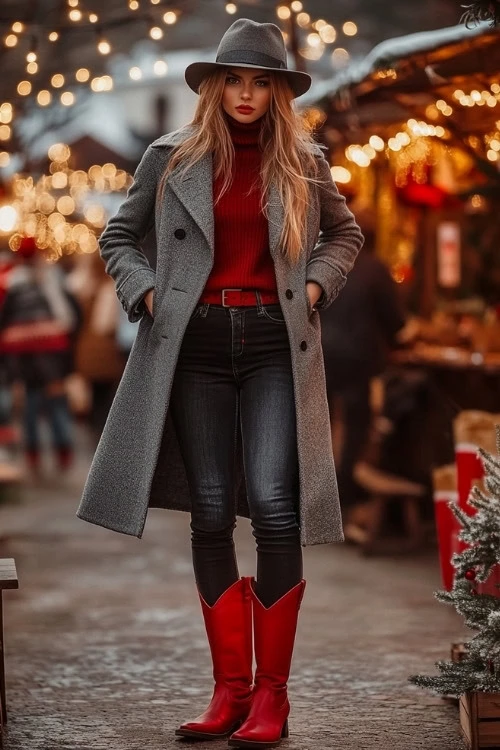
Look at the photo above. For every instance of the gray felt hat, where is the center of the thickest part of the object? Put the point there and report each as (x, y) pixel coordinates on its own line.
(248, 44)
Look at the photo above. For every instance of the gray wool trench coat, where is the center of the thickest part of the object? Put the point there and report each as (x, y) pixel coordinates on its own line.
(137, 463)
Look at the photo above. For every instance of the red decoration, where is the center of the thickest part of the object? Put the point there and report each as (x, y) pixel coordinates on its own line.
(27, 247)
(473, 592)
(470, 575)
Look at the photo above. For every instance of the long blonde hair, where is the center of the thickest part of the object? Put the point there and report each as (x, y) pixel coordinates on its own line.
(287, 157)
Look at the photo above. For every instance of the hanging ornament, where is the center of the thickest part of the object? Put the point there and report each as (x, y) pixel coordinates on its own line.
(480, 11)
(470, 575)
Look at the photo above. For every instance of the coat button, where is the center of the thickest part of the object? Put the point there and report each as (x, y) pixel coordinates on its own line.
(289, 294)
(303, 345)
(179, 234)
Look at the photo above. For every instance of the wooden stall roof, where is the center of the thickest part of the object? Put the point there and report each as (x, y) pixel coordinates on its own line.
(402, 76)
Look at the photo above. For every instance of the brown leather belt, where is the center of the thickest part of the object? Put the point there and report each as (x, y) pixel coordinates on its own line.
(239, 297)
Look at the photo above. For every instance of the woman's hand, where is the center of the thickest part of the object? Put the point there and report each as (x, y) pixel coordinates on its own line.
(314, 292)
(148, 300)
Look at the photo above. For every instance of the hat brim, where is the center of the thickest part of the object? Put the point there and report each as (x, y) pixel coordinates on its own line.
(196, 72)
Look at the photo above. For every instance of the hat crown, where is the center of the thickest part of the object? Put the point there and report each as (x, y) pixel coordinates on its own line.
(256, 39)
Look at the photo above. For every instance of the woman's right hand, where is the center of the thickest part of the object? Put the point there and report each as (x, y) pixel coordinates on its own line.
(148, 299)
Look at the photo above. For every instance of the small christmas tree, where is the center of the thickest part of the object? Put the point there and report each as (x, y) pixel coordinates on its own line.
(479, 670)
(480, 11)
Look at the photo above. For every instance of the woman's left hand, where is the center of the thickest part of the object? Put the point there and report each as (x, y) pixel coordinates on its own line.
(314, 292)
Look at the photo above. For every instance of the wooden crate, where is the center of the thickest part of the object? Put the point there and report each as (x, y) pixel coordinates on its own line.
(480, 720)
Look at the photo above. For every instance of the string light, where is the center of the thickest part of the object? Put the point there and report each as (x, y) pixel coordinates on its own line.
(104, 47)
(82, 75)
(350, 28)
(155, 32)
(170, 17)
(53, 36)
(44, 97)
(10, 40)
(231, 8)
(160, 68)
(57, 80)
(283, 12)
(93, 17)
(135, 73)
(17, 27)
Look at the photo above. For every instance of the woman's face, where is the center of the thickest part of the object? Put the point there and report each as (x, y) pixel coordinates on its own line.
(247, 93)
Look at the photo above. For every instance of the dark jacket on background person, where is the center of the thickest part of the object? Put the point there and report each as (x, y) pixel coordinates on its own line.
(361, 324)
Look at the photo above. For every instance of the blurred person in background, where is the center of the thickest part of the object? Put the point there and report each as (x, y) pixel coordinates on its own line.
(229, 343)
(357, 332)
(38, 318)
(98, 358)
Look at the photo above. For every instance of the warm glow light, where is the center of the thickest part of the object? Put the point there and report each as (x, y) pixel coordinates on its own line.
(31, 57)
(67, 98)
(59, 152)
(458, 94)
(296, 6)
(170, 17)
(476, 95)
(104, 47)
(377, 143)
(440, 131)
(155, 32)
(32, 68)
(53, 36)
(11, 40)
(231, 8)
(492, 155)
(160, 68)
(66, 205)
(93, 17)
(57, 80)
(75, 15)
(495, 144)
(135, 73)
(340, 55)
(24, 88)
(4, 158)
(73, 3)
(17, 27)
(340, 174)
(8, 218)
(43, 98)
(328, 34)
(314, 40)
(303, 19)
(495, 87)
(350, 28)
(82, 75)
(283, 12)
(133, 5)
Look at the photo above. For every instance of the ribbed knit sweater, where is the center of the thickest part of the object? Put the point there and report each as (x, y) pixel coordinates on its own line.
(242, 258)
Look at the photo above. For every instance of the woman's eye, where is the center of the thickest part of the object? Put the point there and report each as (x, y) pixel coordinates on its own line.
(263, 83)
(230, 79)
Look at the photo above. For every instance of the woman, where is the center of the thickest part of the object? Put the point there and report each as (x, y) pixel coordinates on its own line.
(222, 409)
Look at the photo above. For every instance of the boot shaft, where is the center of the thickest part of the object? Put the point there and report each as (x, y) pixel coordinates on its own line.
(274, 635)
(228, 624)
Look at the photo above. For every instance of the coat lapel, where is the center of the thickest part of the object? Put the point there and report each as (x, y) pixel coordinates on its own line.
(195, 191)
(276, 217)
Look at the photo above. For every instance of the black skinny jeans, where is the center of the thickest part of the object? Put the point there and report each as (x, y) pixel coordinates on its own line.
(234, 373)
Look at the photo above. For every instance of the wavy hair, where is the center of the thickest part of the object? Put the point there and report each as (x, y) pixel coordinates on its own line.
(286, 142)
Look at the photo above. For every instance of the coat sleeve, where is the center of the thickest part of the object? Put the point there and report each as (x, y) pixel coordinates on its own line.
(119, 243)
(339, 241)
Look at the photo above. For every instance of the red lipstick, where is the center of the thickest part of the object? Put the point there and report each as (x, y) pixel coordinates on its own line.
(245, 109)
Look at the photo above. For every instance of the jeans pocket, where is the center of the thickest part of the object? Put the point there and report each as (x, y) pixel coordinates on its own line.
(275, 314)
(196, 312)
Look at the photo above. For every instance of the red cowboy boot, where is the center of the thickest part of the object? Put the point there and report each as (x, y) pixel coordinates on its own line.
(229, 630)
(274, 630)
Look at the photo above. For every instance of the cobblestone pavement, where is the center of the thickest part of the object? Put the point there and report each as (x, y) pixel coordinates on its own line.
(106, 649)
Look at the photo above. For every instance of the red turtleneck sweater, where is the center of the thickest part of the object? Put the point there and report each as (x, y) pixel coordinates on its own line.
(242, 258)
